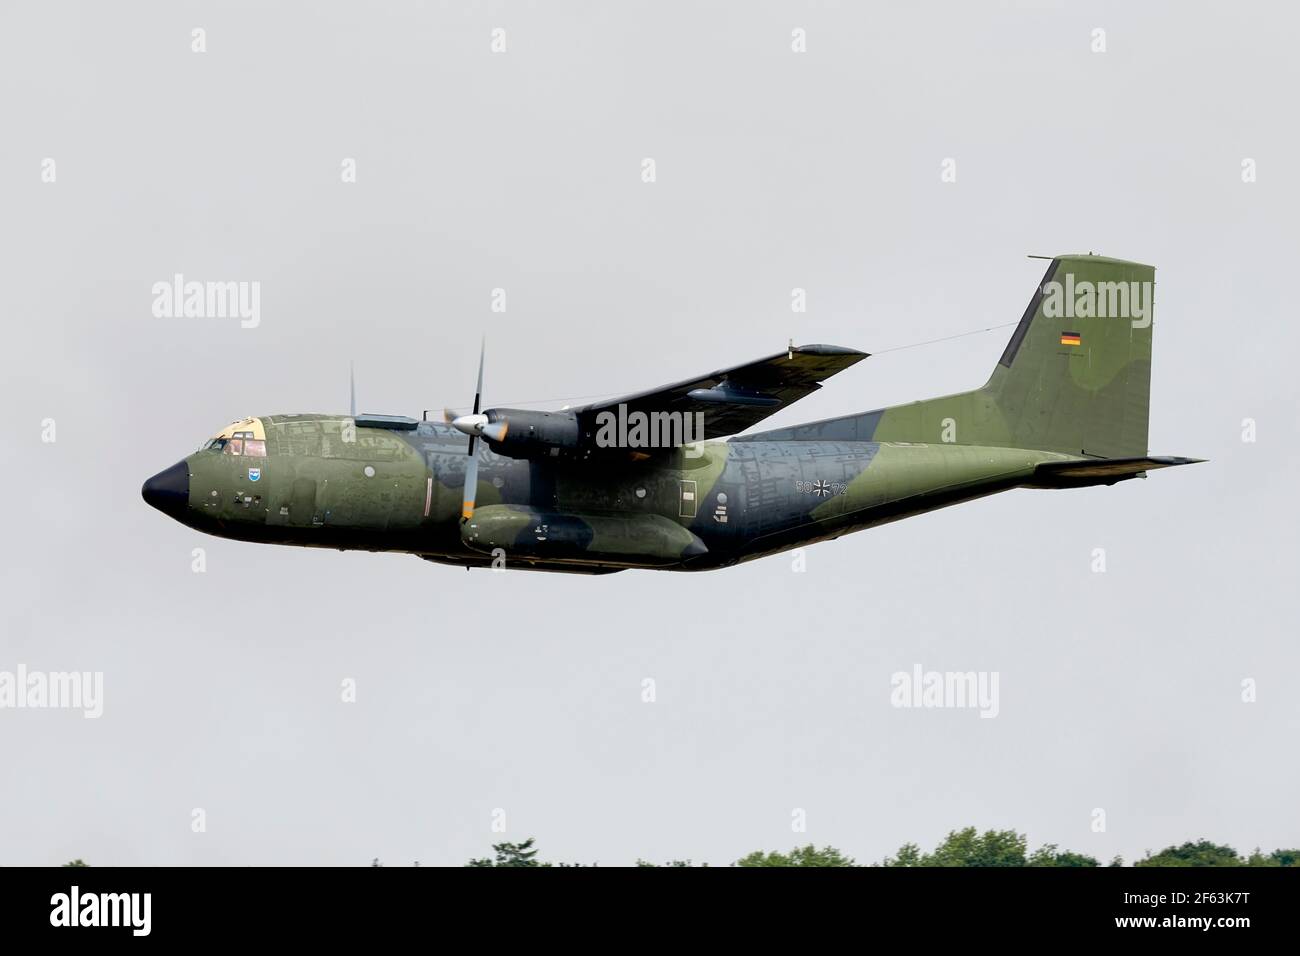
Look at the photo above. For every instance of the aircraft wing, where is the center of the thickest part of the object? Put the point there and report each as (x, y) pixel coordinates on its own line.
(733, 399)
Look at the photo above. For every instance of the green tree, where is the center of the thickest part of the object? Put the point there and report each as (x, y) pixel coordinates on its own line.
(1276, 858)
(800, 856)
(1200, 853)
(969, 848)
(1286, 857)
(512, 854)
(1259, 859)
(909, 854)
(1047, 855)
(77, 862)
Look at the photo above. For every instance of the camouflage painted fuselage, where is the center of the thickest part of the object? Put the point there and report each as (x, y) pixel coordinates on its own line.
(1066, 406)
(698, 508)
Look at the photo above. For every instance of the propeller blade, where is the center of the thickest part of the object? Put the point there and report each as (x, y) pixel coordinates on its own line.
(471, 481)
(473, 427)
(449, 415)
(352, 387)
(478, 391)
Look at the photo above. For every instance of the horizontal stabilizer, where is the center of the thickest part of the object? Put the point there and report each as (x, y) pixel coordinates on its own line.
(1101, 471)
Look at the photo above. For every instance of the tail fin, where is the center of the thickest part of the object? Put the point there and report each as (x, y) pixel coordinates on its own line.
(1075, 377)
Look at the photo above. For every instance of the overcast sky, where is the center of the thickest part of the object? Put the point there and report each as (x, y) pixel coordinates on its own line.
(522, 170)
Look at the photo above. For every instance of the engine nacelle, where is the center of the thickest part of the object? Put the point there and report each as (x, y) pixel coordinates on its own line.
(524, 433)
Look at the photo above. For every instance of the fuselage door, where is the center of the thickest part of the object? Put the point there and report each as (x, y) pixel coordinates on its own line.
(302, 504)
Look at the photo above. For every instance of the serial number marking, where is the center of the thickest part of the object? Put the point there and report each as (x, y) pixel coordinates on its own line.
(822, 489)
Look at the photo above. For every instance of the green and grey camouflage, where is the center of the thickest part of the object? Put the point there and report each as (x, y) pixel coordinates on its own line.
(645, 481)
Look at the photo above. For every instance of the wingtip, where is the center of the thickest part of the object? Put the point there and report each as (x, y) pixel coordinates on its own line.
(829, 350)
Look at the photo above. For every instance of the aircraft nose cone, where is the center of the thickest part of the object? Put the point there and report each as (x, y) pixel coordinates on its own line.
(169, 490)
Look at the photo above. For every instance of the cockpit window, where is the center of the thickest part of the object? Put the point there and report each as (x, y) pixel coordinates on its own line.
(245, 438)
(248, 447)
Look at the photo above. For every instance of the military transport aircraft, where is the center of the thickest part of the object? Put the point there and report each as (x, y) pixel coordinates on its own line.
(642, 481)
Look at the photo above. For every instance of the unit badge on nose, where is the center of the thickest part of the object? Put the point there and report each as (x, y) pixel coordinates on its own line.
(254, 474)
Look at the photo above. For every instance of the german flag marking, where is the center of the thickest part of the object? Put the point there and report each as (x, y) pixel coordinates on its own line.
(1071, 338)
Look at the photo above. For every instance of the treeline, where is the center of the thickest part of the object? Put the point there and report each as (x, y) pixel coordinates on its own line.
(965, 847)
